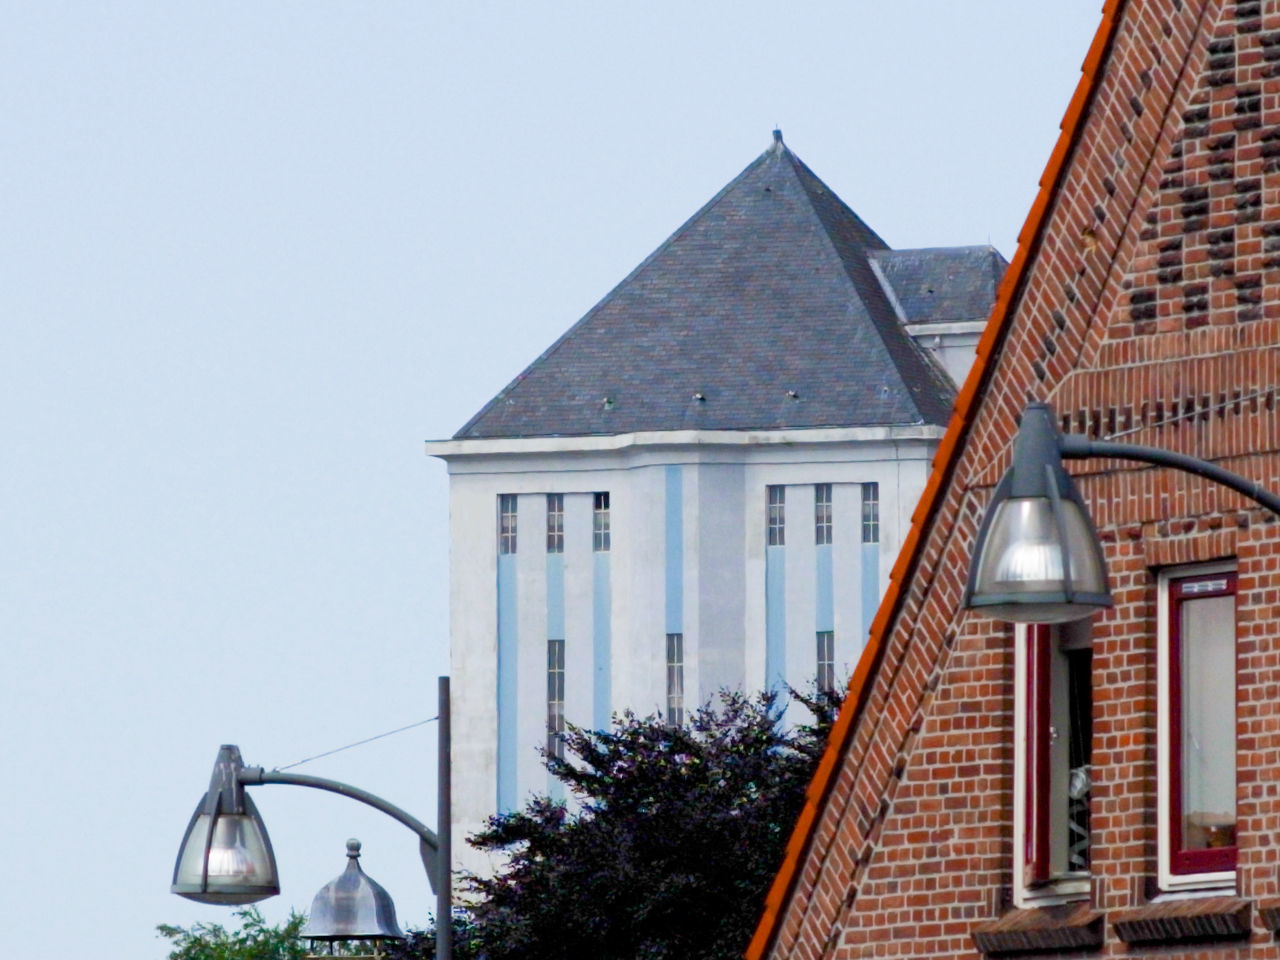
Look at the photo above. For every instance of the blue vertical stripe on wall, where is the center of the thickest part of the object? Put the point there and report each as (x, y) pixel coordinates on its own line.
(555, 631)
(675, 550)
(775, 619)
(601, 641)
(870, 587)
(555, 597)
(507, 698)
(824, 614)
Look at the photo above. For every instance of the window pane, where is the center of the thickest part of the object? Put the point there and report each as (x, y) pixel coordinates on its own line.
(871, 513)
(507, 523)
(776, 517)
(1208, 756)
(555, 523)
(822, 513)
(826, 660)
(600, 539)
(555, 698)
(675, 679)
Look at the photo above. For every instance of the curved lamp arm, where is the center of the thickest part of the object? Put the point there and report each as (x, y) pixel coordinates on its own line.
(429, 843)
(1037, 558)
(1075, 447)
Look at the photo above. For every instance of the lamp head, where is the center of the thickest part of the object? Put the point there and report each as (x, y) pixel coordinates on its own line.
(226, 856)
(352, 907)
(1037, 558)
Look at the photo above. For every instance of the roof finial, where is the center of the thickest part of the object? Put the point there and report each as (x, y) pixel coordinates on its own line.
(777, 135)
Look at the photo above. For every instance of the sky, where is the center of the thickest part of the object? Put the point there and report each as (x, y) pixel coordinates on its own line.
(253, 254)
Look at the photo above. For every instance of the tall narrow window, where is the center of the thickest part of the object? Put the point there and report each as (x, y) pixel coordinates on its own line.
(1198, 725)
(826, 660)
(600, 523)
(1053, 753)
(507, 523)
(776, 520)
(675, 679)
(555, 699)
(871, 513)
(822, 513)
(555, 523)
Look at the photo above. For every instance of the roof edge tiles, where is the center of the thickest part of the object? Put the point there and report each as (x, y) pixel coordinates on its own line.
(1010, 288)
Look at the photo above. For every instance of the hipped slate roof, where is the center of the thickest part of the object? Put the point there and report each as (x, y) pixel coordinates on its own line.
(761, 312)
(943, 284)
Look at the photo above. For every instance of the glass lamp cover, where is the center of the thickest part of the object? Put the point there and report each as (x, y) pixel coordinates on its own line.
(241, 864)
(1021, 573)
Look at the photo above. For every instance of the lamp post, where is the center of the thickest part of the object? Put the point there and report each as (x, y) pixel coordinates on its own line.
(1037, 558)
(226, 857)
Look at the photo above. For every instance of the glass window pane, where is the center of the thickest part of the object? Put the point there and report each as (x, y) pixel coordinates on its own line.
(1208, 700)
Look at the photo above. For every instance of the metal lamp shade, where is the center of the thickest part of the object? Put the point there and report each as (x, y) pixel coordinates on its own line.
(1037, 558)
(226, 856)
(352, 907)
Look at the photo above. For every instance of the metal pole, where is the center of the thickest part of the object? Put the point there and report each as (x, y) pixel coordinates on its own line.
(1076, 447)
(444, 832)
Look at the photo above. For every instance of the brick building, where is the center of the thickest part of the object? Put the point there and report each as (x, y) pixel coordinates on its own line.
(1143, 303)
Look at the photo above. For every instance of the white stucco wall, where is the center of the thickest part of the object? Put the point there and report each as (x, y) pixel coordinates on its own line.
(722, 485)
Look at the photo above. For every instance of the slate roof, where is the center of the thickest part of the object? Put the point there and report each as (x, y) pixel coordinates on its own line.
(761, 312)
(942, 284)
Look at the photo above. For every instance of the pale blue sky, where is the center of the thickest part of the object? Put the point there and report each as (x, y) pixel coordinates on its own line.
(253, 254)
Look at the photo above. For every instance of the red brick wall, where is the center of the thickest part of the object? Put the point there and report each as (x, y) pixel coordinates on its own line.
(1153, 291)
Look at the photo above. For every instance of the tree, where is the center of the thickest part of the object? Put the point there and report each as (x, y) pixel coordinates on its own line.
(676, 837)
(254, 940)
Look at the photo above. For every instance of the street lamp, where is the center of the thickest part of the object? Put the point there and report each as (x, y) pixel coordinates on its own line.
(1037, 558)
(226, 858)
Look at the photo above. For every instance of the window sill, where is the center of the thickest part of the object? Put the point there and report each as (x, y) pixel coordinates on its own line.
(1069, 889)
(1041, 930)
(1184, 920)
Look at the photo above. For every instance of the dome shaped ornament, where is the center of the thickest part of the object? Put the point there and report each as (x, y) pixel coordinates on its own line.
(352, 907)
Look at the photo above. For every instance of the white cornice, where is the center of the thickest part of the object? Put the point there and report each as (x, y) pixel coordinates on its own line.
(491, 446)
(945, 327)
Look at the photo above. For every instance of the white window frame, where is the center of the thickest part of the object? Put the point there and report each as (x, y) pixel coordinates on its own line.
(825, 642)
(508, 509)
(555, 697)
(775, 515)
(822, 528)
(871, 512)
(601, 536)
(555, 523)
(675, 713)
(1167, 879)
(1066, 889)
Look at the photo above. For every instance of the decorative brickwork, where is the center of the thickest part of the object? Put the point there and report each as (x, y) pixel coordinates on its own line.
(1144, 301)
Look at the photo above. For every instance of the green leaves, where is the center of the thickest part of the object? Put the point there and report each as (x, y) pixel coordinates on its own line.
(672, 839)
(254, 940)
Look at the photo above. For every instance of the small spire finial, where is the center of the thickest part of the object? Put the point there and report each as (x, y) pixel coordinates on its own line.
(777, 135)
(353, 848)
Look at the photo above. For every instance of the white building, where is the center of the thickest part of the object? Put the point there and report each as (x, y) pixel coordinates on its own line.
(704, 482)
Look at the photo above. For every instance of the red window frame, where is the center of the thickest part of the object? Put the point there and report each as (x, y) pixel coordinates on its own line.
(1036, 782)
(1057, 691)
(1213, 859)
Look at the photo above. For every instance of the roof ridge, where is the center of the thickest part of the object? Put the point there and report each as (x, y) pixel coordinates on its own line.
(897, 343)
(775, 149)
